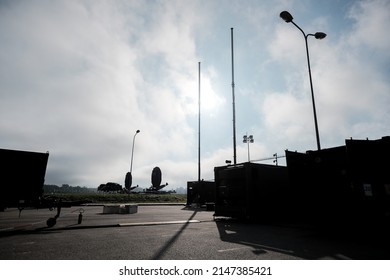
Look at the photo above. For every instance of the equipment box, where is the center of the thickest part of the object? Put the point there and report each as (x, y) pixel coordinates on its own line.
(251, 191)
(200, 192)
(345, 183)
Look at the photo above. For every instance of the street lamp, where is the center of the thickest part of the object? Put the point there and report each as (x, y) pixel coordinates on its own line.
(129, 178)
(287, 17)
(248, 139)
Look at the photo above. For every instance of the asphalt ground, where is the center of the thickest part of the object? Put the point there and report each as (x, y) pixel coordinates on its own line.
(174, 232)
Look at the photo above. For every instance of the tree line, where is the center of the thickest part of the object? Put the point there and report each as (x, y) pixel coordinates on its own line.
(65, 188)
(108, 187)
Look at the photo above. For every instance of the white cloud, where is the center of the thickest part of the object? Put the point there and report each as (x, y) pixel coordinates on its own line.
(372, 19)
(80, 92)
(351, 90)
(79, 78)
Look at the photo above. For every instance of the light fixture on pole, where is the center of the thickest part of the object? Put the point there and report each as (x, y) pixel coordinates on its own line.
(248, 139)
(275, 155)
(287, 17)
(129, 178)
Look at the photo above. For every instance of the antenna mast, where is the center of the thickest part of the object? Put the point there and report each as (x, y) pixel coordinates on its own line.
(234, 106)
(199, 122)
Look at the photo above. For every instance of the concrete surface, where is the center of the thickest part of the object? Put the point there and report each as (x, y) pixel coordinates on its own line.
(173, 232)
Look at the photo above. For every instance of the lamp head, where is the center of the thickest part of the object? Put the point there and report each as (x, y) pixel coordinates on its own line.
(320, 35)
(286, 16)
(138, 131)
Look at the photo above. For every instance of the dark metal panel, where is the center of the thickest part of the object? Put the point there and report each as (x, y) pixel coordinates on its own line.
(22, 176)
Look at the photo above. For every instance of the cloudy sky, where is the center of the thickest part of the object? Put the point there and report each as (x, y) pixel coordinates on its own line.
(78, 78)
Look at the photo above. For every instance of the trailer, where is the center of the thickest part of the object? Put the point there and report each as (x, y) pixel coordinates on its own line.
(201, 193)
(345, 183)
(250, 191)
(22, 177)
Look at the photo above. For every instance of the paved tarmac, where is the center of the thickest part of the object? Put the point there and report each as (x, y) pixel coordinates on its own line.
(173, 232)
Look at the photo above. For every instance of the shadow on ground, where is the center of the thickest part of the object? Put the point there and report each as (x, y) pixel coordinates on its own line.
(369, 242)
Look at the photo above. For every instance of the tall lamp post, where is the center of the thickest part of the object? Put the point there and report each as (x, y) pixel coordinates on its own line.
(129, 178)
(287, 17)
(248, 139)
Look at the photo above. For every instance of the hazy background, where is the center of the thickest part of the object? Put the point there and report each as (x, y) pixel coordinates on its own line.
(78, 78)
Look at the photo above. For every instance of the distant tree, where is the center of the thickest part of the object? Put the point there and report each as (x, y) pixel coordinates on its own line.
(114, 187)
(110, 187)
(102, 188)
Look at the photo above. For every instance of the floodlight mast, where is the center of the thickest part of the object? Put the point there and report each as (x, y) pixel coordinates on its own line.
(248, 139)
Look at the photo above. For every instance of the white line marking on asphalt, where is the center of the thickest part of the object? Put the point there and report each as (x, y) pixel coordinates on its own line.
(231, 249)
(267, 247)
(158, 223)
(255, 245)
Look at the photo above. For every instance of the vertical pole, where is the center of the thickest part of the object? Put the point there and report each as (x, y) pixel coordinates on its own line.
(234, 105)
(129, 177)
(249, 158)
(311, 84)
(312, 96)
(132, 153)
(199, 122)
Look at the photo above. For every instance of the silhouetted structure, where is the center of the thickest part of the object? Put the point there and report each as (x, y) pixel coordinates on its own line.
(345, 183)
(156, 181)
(21, 183)
(200, 192)
(22, 177)
(251, 191)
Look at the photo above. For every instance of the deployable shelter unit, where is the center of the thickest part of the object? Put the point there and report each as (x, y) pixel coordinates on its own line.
(251, 191)
(319, 182)
(369, 174)
(200, 192)
(22, 175)
(345, 183)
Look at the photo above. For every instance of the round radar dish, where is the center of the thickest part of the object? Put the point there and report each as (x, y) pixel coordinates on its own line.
(156, 177)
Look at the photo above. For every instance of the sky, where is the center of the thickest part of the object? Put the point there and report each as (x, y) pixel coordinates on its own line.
(79, 78)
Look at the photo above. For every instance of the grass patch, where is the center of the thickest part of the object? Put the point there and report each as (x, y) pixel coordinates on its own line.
(119, 198)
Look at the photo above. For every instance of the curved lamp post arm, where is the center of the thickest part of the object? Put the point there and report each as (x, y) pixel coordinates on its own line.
(132, 151)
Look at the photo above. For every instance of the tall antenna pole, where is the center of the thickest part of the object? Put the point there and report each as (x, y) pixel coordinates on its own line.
(234, 106)
(199, 122)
